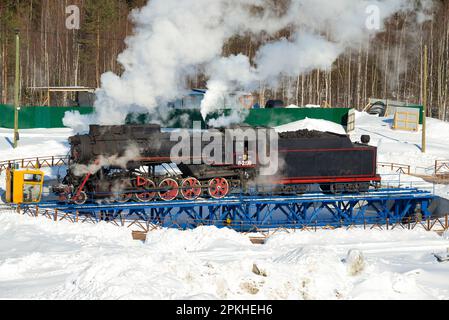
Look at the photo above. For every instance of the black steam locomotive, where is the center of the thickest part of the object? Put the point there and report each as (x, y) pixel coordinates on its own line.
(135, 163)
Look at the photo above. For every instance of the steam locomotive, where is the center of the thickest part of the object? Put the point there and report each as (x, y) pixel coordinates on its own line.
(135, 163)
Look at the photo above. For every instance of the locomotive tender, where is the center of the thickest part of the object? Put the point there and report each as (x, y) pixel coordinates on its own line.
(102, 166)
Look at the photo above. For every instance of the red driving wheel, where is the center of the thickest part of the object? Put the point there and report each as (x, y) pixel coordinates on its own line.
(191, 188)
(80, 199)
(170, 189)
(218, 188)
(146, 195)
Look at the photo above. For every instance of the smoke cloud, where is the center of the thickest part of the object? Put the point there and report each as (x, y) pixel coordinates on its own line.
(121, 161)
(174, 39)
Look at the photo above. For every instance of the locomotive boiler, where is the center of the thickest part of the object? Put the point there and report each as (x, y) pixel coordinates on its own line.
(135, 163)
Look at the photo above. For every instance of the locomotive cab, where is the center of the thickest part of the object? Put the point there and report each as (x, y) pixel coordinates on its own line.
(24, 186)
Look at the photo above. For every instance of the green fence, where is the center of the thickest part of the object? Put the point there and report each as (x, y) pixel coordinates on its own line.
(278, 117)
(256, 117)
(37, 117)
(51, 117)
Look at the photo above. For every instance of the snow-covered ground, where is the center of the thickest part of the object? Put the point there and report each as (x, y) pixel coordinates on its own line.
(40, 259)
(34, 143)
(403, 147)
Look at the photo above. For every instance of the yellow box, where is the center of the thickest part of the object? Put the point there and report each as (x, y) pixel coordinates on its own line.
(24, 186)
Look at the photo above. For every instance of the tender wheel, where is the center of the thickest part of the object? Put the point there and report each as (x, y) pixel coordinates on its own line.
(337, 189)
(191, 188)
(302, 189)
(146, 195)
(325, 188)
(218, 188)
(81, 199)
(364, 187)
(170, 189)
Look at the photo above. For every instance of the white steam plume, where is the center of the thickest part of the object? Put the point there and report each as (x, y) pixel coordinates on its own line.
(174, 39)
(131, 153)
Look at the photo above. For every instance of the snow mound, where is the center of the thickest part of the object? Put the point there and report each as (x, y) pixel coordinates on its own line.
(292, 106)
(435, 128)
(312, 124)
(201, 238)
(318, 273)
(390, 286)
(312, 106)
(355, 262)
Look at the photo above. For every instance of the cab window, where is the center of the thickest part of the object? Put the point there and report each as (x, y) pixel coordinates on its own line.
(32, 177)
(31, 193)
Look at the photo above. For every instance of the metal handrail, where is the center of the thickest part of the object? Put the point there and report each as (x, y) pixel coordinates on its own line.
(441, 164)
(402, 168)
(35, 162)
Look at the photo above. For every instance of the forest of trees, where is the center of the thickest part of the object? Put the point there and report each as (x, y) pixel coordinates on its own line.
(389, 66)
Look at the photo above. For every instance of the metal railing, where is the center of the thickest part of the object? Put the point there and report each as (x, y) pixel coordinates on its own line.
(398, 168)
(396, 180)
(439, 169)
(435, 224)
(35, 163)
(442, 168)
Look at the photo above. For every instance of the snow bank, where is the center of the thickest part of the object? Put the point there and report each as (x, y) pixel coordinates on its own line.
(292, 106)
(437, 129)
(34, 143)
(202, 238)
(40, 259)
(312, 106)
(312, 124)
(390, 286)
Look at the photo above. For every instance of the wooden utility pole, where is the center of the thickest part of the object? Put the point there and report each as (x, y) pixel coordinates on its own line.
(424, 94)
(17, 92)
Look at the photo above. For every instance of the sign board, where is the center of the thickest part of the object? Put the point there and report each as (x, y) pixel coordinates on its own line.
(406, 119)
(351, 121)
